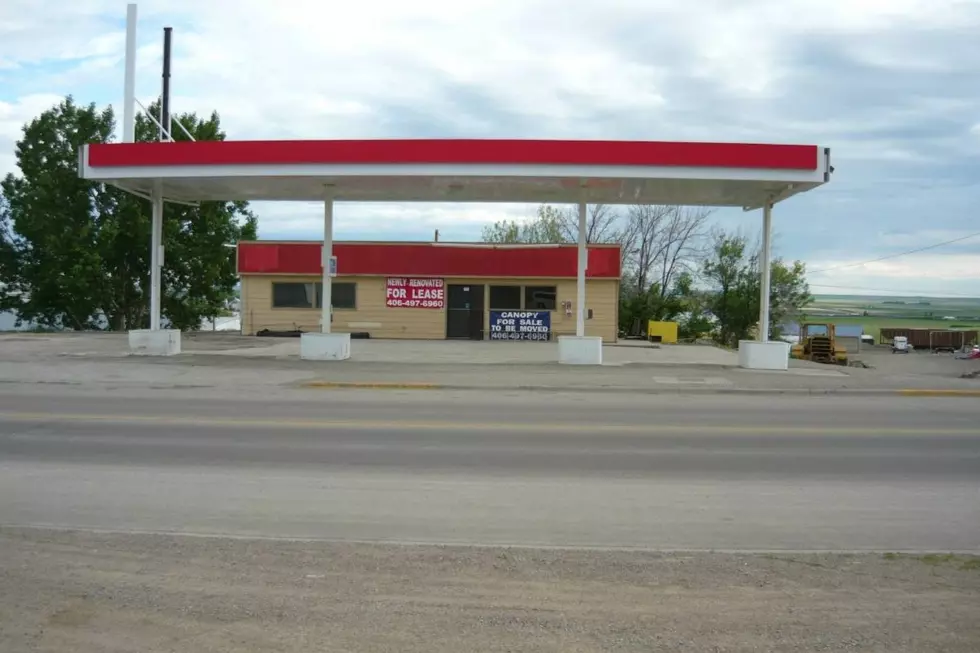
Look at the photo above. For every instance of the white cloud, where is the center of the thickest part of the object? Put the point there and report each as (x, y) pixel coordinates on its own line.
(413, 221)
(937, 275)
(931, 267)
(13, 116)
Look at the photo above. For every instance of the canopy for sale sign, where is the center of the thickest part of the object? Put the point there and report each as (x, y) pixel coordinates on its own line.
(401, 292)
(520, 325)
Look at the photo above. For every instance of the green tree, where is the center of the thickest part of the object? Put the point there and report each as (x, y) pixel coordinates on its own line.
(638, 308)
(199, 275)
(732, 274)
(53, 267)
(72, 250)
(546, 227)
(789, 292)
(734, 288)
(552, 225)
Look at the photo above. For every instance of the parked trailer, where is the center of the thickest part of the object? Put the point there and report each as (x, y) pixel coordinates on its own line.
(931, 339)
(947, 340)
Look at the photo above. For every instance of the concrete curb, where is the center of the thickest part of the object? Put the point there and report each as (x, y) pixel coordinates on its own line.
(673, 390)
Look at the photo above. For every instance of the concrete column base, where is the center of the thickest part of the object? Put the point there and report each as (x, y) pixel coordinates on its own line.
(324, 346)
(574, 350)
(162, 342)
(753, 355)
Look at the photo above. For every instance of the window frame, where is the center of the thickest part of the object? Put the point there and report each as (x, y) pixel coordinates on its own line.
(317, 299)
(319, 296)
(526, 297)
(272, 296)
(520, 297)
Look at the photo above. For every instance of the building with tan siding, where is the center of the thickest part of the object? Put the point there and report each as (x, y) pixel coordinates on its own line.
(429, 290)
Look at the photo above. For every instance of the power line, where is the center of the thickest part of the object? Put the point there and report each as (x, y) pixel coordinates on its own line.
(884, 258)
(905, 292)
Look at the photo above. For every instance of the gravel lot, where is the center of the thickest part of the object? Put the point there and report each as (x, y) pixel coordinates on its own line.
(923, 363)
(73, 591)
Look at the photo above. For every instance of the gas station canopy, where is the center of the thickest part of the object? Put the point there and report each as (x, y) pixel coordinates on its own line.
(459, 170)
(582, 172)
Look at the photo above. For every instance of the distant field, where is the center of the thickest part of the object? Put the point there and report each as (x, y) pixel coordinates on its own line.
(873, 325)
(874, 313)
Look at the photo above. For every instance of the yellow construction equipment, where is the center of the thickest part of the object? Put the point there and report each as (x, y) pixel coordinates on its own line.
(818, 343)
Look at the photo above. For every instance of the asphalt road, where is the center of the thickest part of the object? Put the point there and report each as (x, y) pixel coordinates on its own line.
(536, 469)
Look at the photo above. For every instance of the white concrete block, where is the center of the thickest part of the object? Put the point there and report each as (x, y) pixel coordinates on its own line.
(162, 342)
(324, 346)
(573, 350)
(753, 355)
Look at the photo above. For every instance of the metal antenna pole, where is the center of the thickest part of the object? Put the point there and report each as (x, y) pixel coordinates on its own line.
(165, 99)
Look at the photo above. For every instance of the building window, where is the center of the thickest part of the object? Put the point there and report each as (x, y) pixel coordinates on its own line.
(540, 298)
(292, 295)
(342, 294)
(505, 298)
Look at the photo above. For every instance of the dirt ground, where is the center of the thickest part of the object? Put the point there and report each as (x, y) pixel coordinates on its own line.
(81, 592)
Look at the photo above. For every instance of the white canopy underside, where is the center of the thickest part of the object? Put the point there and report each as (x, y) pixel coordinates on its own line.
(747, 189)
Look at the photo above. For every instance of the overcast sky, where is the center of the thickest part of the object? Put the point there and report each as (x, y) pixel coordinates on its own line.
(892, 86)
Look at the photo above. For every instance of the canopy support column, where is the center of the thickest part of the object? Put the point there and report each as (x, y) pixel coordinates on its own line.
(583, 262)
(326, 301)
(155, 341)
(761, 353)
(580, 349)
(765, 269)
(326, 345)
(156, 247)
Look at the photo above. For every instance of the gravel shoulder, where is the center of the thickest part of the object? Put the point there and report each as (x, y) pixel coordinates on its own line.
(82, 591)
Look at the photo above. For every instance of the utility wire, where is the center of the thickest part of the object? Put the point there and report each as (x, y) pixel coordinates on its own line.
(884, 258)
(905, 292)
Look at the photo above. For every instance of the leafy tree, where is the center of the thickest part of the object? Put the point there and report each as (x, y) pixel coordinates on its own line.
(552, 225)
(734, 281)
(654, 303)
(199, 275)
(72, 251)
(53, 267)
(546, 227)
(734, 284)
(788, 292)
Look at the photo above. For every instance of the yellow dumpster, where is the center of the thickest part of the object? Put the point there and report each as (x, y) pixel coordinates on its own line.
(662, 331)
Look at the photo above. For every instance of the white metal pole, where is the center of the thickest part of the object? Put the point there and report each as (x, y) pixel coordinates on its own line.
(327, 253)
(156, 254)
(582, 264)
(129, 90)
(764, 270)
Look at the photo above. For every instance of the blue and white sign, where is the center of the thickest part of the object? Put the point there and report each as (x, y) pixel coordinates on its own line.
(520, 325)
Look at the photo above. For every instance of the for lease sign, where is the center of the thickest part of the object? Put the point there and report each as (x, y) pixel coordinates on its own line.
(402, 292)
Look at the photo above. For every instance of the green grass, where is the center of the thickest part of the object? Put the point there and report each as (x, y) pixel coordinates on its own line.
(895, 312)
(964, 562)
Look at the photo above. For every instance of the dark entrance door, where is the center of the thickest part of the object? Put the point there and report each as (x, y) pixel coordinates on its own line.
(464, 312)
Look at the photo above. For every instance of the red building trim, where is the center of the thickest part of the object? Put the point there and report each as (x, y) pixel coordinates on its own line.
(456, 152)
(427, 260)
